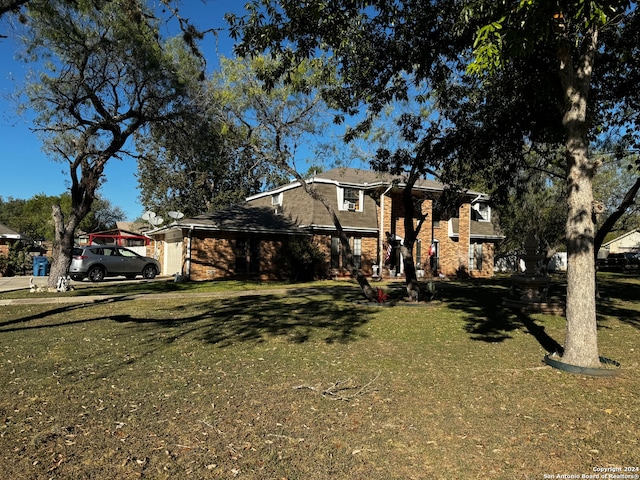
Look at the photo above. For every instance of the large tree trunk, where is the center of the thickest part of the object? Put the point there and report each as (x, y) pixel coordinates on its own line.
(581, 340)
(62, 247)
(82, 197)
(410, 235)
(61, 261)
(411, 279)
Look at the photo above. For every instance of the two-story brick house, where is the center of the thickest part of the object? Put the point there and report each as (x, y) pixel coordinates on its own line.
(370, 209)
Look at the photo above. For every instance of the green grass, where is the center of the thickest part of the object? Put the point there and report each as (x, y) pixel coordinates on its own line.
(118, 286)
(308, 383)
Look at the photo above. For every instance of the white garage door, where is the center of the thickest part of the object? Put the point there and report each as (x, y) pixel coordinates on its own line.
(173, 255)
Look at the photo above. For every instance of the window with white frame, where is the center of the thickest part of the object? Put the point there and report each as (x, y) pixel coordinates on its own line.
(350, 199)
(475, 256)
(482, 212)
(357, 252)
(276, 199)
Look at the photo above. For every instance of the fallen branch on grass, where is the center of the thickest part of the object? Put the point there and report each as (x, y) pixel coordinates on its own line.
(338, 389)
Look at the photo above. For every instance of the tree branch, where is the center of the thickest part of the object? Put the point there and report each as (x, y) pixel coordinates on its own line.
(627, 201)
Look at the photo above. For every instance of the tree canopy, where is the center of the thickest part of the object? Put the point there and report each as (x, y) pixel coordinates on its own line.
(510, 80)
(32, 217)
(107, 74)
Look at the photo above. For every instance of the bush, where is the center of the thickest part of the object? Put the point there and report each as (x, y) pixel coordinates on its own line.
(16, 262)
(300, 260)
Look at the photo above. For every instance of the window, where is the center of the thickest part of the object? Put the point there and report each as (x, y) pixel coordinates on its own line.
(254, 258)
(350, 199)
(247, 255)
(475, 256)
(436, 216)
(276, 199)
(434, 256)
(241, 255)
(481, 212)
(357, 252)
(338, 259)
(335, 252)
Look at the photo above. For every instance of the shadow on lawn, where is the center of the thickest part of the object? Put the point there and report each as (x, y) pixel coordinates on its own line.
(619, 297)
(298, 316)
(487, 320)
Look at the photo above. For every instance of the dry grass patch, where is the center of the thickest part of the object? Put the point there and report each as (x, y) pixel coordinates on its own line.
(307, 385)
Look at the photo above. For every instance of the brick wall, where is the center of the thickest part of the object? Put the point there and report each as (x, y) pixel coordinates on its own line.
(215, 258)
(368, 255)
(155, 249)
(488, 257)
(464, 238)
(212, 258)
(448, 249)
(453, 252)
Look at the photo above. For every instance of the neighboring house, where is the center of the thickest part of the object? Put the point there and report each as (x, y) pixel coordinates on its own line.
(370, 209)
(8, 237)
(626, 243)
(132, 239)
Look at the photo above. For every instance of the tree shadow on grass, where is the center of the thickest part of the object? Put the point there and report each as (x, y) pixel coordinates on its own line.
(256, 318)
(487, 320)
(619, 298)
(300, 315)
(68, 308)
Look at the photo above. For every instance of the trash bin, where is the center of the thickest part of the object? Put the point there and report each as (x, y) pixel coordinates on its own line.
(40, 266)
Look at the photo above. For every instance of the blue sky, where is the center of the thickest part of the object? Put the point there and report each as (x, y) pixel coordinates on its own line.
(26, 171)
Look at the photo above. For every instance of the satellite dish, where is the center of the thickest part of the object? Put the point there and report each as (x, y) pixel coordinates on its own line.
(148, 215)
(155, 221)
(176, 215)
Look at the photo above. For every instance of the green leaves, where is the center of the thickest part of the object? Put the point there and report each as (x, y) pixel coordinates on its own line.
(488, 45)
(506, 32)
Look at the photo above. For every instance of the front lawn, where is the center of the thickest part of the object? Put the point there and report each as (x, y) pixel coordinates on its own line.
(311, 384)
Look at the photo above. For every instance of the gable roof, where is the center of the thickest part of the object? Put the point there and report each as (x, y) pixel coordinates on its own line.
(370, 179)
(362, 179)
(309, 213)
(621, 237)
(6, 232)
(136, 227)
(238, 218)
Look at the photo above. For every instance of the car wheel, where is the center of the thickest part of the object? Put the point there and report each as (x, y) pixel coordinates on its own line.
(149, 272)
(96, 274)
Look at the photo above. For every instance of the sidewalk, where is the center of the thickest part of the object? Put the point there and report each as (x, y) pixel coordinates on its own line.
(8, 284)
(16, 283)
